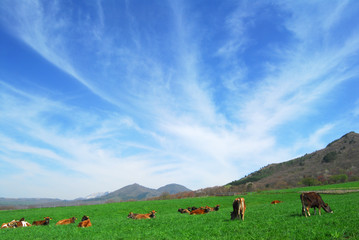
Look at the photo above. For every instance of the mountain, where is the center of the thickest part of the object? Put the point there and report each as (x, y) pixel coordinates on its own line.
(338, 162)
(173, 189)
(130, 192)
(138, 192)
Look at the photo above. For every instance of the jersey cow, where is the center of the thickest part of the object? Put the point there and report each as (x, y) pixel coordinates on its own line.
(85, 222)
(216, 208)
(142, 216)
(239, 207)
(66, 221)
(22, 223)
(200, 211)
(313, 200)
(12, 224)
(15, 224)
(42, 222)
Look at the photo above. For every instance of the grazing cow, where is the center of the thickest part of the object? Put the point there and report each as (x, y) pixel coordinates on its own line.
(85, 222)
(42, 222)
(239, 207)
(12, 224)
(142, 216)
(200, 210)
(313, 200)
(216, 208)
(181, 210)
(276, 202)
(66, 221)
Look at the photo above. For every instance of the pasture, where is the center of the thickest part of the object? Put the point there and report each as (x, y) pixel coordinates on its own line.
(262, 219)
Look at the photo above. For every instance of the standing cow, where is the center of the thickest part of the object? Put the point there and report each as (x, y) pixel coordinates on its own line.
(239, 207)
(313, 200)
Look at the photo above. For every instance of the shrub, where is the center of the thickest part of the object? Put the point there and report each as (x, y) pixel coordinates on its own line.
(340, 178)
(309, 181)
(330, 157)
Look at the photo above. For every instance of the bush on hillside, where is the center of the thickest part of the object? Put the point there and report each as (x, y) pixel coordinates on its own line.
(309, 181)
(340, 178)
(330, 157)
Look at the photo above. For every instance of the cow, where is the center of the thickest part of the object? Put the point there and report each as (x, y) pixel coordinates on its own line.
(142, 216)
(239, 207)
(191, 208)
(66, 221)
(181, 210)
(85, 222)
(22, 223)
(12, 224)
(216, 208)
(313, 200)
(42, 222)
(276, 202)
(200, 210)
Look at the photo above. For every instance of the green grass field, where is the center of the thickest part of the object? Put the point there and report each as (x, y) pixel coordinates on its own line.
(262, 220)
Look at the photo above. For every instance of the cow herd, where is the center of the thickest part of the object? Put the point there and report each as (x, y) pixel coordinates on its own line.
(308, 200)
(85, 222)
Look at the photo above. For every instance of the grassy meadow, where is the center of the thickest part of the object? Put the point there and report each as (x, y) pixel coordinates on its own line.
(262, 219)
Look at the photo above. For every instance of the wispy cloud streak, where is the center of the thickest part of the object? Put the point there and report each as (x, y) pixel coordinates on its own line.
(169, 100)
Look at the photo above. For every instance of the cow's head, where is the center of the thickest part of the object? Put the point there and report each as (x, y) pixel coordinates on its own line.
(152, 215)
(327, 208)
(130, 215)
(84, 218)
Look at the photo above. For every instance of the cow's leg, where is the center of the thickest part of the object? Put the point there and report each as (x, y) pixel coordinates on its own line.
(308, 208)
(319, 211)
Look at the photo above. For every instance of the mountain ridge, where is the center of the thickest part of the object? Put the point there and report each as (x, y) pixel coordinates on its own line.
(338, 161)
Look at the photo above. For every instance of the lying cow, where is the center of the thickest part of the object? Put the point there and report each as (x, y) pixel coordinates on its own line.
(22, 223)
(200, 210)
(85, 222)
(66, 221)
(239, 207)
(191, 208)
(276, 202)
(216, 208)
(12, 224)
(15, 224)
(313, 200)
(181, 210)
(142, 216)
(42, 222)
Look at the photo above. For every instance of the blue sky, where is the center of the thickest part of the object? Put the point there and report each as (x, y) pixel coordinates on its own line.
(96, 95)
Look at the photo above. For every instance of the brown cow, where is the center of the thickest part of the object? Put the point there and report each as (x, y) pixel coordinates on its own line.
(85, 222)
(66, 221)
(142, 216)
(239, 207)
(200, 210)
(42, 222)
(313, 200)
(276, 202)
(22, 223)
(216, 208)
(12, 224)
(181, 210)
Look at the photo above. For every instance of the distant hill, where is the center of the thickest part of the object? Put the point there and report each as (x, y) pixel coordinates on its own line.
(338, 162)
(138, 192)
(130, 192)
